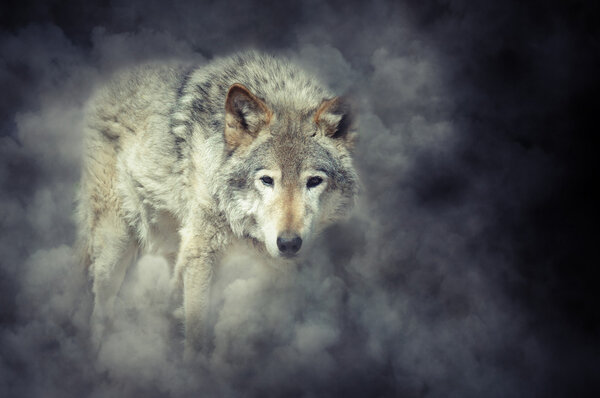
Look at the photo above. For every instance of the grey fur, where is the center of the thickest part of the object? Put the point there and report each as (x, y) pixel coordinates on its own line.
(160, 176)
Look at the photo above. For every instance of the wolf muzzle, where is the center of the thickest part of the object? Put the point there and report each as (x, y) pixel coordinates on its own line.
(289, 244)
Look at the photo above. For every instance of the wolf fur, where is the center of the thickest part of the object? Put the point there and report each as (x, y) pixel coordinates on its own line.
(183, 161)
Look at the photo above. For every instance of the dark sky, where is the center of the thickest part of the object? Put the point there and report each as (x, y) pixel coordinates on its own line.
(467, 270)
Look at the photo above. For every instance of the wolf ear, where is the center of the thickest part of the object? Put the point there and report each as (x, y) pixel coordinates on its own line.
(336, 117)
(245, 115)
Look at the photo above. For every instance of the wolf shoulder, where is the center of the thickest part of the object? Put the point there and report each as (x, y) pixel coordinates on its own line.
(134, 100)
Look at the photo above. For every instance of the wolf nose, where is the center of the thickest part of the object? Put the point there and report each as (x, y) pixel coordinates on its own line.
(289, 244)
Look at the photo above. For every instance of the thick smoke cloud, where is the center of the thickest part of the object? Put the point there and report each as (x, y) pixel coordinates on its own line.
(463, 272)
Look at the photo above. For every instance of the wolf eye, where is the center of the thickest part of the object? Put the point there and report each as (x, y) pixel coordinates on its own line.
(268, 181)
(313, 182)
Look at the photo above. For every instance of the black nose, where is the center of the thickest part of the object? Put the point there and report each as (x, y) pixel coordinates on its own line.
(289, 244)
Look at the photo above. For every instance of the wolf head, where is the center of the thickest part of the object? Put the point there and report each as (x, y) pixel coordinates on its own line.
(288, 171)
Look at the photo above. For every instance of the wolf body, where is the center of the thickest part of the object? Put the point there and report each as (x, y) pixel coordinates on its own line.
(183, 161)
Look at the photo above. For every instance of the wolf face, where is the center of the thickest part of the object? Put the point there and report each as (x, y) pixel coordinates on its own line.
(288, 173)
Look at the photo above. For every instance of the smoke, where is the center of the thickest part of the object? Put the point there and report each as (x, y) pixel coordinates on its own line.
(446, 281)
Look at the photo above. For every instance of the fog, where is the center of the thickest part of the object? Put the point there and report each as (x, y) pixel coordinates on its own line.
(459, 273)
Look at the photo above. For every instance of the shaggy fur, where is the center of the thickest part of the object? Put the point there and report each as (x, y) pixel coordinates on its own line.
(181, 161)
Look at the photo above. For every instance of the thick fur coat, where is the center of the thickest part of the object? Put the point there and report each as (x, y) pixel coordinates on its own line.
(183, 160)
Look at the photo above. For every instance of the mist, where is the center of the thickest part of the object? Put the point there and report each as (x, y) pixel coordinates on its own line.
(465, 270)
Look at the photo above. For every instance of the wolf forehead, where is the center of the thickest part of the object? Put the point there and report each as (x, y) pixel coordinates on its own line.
(292, 155)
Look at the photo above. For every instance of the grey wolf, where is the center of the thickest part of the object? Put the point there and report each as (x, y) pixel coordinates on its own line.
(184, 161)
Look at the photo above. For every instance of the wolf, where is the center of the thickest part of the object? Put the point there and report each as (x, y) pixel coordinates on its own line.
(185, 160)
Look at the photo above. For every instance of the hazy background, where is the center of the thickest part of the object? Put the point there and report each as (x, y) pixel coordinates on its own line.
(467, 270)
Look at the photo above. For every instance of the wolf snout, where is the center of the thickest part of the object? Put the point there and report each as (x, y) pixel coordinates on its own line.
(289, 244)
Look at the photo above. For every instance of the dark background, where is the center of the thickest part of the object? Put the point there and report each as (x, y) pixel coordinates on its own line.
(510, 196)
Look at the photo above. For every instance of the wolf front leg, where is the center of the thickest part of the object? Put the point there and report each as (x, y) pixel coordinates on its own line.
(193, 273)
(197, 279)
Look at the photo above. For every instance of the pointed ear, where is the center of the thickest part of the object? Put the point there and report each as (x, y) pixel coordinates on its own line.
(336, 117)
(245, 115)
